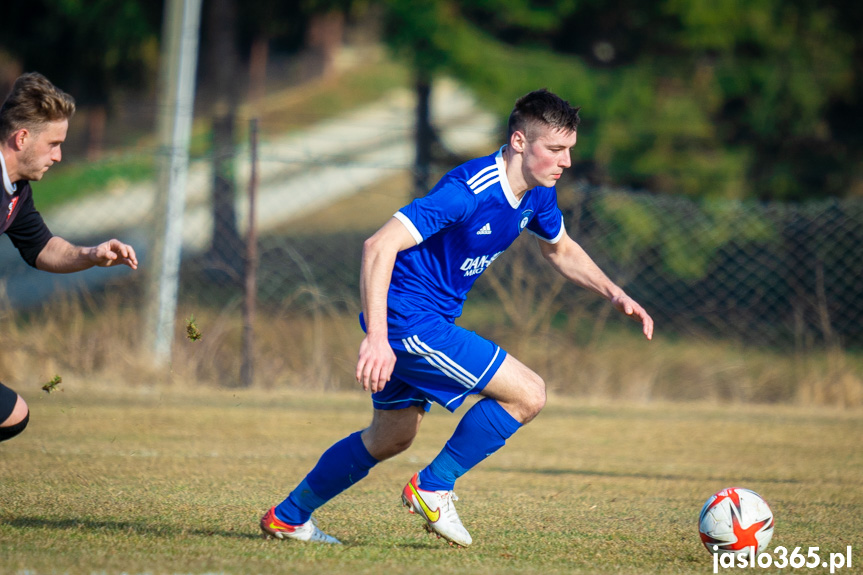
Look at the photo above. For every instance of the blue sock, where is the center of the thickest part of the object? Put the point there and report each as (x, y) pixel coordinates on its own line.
(342, 465)
(483, 430)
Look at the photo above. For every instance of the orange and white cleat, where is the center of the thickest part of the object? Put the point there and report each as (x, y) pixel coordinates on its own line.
(438, 511)
(272, 526)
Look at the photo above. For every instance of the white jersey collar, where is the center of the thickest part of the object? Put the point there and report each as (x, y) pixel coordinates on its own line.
(504, 181)
(7, 184)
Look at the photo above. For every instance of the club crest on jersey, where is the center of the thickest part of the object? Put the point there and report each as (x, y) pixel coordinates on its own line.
(525, 218)
(475, 266)
(11, 209)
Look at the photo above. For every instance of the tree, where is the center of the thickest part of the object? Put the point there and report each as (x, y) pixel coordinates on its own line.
(727, 99)
(231, 34)
(91, 49)
(222, 69)
(417, 31)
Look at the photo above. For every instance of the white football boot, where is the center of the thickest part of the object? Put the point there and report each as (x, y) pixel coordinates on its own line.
(438, 511)
(272, 526)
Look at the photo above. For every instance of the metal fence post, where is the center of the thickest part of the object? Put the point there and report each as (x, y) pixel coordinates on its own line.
(179, 61)
(247, 369)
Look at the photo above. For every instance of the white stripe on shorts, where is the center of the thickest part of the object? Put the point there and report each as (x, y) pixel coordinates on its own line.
(491, 363)
(443, 358)
(441, 361)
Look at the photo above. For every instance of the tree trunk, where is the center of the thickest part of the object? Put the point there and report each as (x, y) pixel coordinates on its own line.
(324, 38)
(424, 135)
(226, 248)
(258, 58)
(96, 118)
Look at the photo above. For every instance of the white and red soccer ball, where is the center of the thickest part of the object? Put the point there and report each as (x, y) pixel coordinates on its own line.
(734, 520)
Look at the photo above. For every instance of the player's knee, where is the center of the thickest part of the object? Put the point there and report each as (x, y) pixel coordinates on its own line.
(385, 445)
(10, 431)
(534, 398)
(397, 445)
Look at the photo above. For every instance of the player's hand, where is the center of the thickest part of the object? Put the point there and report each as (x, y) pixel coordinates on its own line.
(113, 252)
(375, 363)
(630, 307)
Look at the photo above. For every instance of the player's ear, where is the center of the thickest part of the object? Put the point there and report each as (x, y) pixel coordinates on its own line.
(518, 141)
(20, 137)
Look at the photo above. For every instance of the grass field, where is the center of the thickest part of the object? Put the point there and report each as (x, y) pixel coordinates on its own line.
(283, 111)
(143, 480)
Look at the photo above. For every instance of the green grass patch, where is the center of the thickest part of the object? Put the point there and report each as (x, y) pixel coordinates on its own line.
(67, 182)
(166, 481)
(305, 106)
(283, 111)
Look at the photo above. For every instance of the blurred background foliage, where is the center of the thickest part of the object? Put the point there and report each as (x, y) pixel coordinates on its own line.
(707, 99)
(718, 177)
(726, 99)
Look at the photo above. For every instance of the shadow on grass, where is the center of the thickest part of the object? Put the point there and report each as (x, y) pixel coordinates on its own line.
(155, 530)
(120, 527)
(657, 476)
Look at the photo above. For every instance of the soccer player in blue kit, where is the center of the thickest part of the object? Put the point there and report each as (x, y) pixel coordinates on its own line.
(416, 272)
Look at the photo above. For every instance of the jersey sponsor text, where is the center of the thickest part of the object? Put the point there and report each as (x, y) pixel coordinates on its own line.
(475, 266)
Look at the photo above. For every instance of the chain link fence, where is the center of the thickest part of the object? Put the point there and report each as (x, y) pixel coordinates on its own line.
(782, 277)
(779, 275)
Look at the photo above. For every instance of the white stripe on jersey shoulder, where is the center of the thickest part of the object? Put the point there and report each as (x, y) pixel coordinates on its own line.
(480, 174)
(410, 226)
(556, 238)
(491, 175)
(484, 178)
(485, 181)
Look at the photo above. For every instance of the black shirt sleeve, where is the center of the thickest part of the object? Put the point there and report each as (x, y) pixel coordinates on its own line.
(28, 232)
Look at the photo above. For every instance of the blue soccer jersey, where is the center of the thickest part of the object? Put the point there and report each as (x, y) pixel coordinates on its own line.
(466, 221)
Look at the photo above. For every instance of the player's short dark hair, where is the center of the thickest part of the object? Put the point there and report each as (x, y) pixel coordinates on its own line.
(34, 102)
(544, 108)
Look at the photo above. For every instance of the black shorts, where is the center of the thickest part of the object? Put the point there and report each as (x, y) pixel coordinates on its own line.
(8, 399)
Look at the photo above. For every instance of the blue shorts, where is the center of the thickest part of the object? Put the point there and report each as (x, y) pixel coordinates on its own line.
(438, 362)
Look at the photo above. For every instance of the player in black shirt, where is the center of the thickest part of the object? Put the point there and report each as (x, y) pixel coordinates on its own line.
(33, 124)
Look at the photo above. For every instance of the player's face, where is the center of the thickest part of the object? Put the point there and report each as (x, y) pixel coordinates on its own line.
(546, 155)
(40, 150)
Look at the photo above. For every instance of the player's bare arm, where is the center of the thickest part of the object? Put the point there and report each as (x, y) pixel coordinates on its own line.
(571, 261)
(60, 256)
(376, 358)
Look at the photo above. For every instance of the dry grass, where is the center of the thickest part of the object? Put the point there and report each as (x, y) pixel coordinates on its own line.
(82, 339)
(157, 479)
(623, 365)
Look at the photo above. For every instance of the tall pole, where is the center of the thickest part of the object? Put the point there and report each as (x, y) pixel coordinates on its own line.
(247, 369)
(179, 60)
(423, 134)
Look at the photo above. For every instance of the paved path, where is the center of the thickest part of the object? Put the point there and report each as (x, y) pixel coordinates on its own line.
(299, 173)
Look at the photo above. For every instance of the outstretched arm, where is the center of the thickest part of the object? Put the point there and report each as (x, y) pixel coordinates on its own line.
(573, 263)
(61, 257)
(376, 358)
